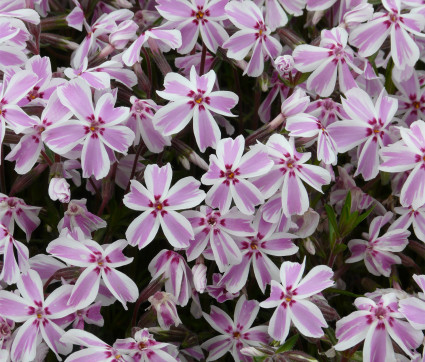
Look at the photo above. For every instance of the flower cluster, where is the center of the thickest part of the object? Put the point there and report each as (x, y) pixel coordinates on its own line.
(146, 214)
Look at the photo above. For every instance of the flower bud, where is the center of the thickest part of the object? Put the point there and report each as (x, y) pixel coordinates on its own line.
(165, 306)
(199, 272)
(59, 190)
(284, 64)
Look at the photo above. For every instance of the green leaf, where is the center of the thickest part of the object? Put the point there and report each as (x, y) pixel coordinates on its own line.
(288, 345)
(332, 218)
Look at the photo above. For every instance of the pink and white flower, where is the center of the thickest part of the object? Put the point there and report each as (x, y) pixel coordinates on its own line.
(166, 311)
(377, 323)
(370, 36)
(98, 263)
(289, 169)
(194, 18)
(97, 128)
(377, 251)
(228, 172)
(411, 216)
(325, 61)
(254, 252)
(38, 315)
(291, 300)
(158, 202)
(59, 190)
(216, 230)
(253, 34)
(237, 333)
(367, 127)
(193, 99)
(408, 154)
(412, 308)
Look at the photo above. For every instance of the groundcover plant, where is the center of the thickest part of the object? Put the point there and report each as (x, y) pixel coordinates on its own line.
(212, 180)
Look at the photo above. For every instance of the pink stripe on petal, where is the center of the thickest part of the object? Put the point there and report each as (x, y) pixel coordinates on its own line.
(348, 134)
(190, 34)
(71, 252)
(351, 330)
(86, 288)
(17, 119)
(10, 272)
(255, 163)
(236, 223)
(177, 229)
(378, 346)
(173, 117)
(246, 196)
(205, 128)
(315, 281)
(315, 176)
(218, 346)
(404, 50)
(279, 323)
(139, 198)
(219, 320)
(230, 151)
(323, 79)
(94, 158)
(64, 137)
(185, 194)
(132, 54)
(256, 63)
(405, 336)
(413, 189)
(294, 195)
(239, 44)
(56, 302)
(120, 285)
(237, 275)
(308, 318)
(271, 46)
(245, 14)
(264, 270)
(158, 179)
(308, 57)
(51, 334)
(346, 80)
(213, 35)
(105, 110)
(245, 312)
(13, 306)
(25, 153)
(225, 250)
(119, 138)
(31, 287)
(97, 80)
(25, 341)
(370, 36)
(19, 85)
(413, 309)
(142, 229)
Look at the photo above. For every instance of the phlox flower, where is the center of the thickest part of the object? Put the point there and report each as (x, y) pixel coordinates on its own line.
(412, 308)
(237, 333)
(194, 18)
(377, 323)
(96, 349)
(228, 172)
(408, 154)
(289, 170)
(77, 218)
(38, 315)
(98, 263)
(291, 296)
(254, 34)
(158, 202)
(89, 315)
(15, 210)
(254, 251)
(377, 251)
(195, 99)
(59, 190)
(325, 61)
(275, 11)
(141, 123)
(165, 308)
(367, 126)
(219, 291)
(8, 246)
(27, 151)
(144, 348)
(177, 274)
(97, 128)
(411, 216)
(370, 36)
(216, 230)
(14, 9)
(169, 38)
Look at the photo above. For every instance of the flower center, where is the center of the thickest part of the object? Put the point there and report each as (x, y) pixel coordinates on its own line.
(198, 99)
(254, 245)
(199, 15)
(159, 206)
(142, 345)
(236, 335)
(212, 221)
(416, 105)
(39, 315)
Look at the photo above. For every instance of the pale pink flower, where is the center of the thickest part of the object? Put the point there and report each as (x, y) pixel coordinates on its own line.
(166, 310)
(99, 262)
(96, 349)
(291, 300)
(325, 61)
(378, 251)
(15, 210)
(144, 348)
(59, 190)
(254, 34)
(194, 18)
(408, 154)
(237, 333)
(38, 315)
(289, 170)
(412, 308)
(172, 267)
(97, 128)
(366, 127)
(159, 203)
(168, 38)
(228, 173)
(8, 247)
(216, 230)
(193, 99)
(377, 323)
(370, 36)
(255, 250)
(141, 123)
(77, 217)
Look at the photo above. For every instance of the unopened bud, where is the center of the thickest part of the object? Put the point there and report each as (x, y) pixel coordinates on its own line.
(309, 246)
(199, 272)
(284, 64)
(166, 310)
